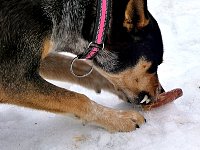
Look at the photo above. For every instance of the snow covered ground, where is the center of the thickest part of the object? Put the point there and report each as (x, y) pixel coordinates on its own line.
(173, 127)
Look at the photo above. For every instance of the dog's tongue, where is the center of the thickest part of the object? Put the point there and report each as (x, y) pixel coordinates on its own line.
(164, 98)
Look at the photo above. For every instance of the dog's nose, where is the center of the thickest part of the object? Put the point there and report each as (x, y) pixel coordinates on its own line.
(143, 98)
(161, 89)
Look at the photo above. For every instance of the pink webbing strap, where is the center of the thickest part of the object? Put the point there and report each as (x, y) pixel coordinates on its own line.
(102, 21)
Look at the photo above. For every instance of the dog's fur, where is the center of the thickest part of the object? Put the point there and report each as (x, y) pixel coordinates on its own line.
(32, 30)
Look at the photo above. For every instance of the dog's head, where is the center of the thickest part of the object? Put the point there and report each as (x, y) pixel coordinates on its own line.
(133, 47)
(133, 50)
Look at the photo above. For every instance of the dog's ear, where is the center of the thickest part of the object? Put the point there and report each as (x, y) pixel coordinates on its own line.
(136, 15)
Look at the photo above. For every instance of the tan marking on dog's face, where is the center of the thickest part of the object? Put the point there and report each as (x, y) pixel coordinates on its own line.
(135, 80)
(47, 47)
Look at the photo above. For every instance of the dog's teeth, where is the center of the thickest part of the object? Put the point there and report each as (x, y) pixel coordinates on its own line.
(144, 99)
(148, 101)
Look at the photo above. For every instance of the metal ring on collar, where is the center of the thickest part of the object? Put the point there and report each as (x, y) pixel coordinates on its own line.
(102, 47)
(79, 76)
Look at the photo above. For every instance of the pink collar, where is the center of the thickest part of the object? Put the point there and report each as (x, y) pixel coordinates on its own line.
(102, 21)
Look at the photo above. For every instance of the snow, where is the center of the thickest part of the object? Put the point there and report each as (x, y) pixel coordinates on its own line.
(171, 127)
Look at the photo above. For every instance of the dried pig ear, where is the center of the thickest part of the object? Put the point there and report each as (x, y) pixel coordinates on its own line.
(163, 99)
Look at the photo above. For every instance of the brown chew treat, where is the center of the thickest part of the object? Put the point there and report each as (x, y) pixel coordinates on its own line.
(163, 99)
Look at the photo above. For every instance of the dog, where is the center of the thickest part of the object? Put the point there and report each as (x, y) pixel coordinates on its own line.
(33, 32)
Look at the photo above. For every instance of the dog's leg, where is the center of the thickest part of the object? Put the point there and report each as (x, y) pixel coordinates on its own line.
(39, 94)
(57, 67)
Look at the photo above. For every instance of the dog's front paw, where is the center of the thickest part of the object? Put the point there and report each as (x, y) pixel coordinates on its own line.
(119, 121)
(124, 121)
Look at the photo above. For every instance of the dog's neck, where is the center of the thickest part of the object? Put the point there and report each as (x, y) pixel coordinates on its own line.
(74, 30)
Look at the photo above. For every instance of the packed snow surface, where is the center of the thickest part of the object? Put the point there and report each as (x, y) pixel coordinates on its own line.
(175, 126)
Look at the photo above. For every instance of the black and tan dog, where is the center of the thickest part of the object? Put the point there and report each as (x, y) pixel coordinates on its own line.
(32, 30)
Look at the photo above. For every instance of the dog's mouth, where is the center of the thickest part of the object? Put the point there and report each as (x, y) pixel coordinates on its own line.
(145, 98)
